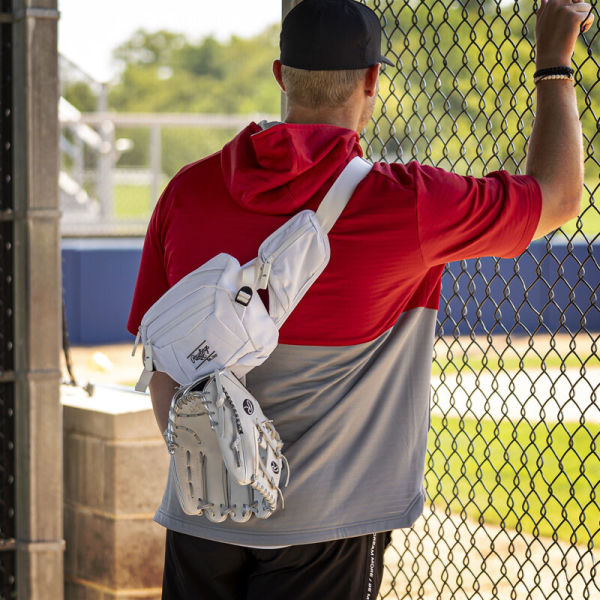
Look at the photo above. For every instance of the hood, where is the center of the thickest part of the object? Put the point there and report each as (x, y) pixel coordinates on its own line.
(279, 169)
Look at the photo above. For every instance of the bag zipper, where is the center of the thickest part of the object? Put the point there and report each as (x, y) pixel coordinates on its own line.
(172, 290)
(266, 264)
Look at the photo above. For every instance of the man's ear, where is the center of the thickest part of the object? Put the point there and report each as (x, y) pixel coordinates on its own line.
(277, 73)
(371, 79)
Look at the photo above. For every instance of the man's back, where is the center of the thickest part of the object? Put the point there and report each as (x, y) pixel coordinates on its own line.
(348, 386)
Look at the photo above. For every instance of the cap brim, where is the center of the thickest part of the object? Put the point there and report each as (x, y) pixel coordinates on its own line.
(385, 60)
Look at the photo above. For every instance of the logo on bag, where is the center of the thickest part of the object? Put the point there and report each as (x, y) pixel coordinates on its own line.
(201, 354)
(274, 467)
(248, 406)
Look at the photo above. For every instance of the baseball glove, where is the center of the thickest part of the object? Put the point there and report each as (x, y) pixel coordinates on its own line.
(227, 455)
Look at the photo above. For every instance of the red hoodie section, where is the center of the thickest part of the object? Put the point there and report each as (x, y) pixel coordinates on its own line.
(277, 171)
(388, 248)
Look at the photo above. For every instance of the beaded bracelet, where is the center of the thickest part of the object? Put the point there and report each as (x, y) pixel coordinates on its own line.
(553, 73)
(545, 77)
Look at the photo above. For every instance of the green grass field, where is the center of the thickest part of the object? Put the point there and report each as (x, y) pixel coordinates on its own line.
(538, 478)
(132, 202)
(513, 362)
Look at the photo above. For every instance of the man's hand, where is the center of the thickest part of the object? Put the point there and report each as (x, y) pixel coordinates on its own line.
(555, 153)
(558, 25)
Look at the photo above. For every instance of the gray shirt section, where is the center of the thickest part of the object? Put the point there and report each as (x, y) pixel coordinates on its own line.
(354, 422)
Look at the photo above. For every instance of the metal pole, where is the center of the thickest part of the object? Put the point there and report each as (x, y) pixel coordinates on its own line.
(106, 160)
(78, 161)
(37, 284)
(286, 6)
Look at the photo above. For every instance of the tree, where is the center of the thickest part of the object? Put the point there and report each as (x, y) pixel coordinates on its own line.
(166, 72)
(81, 96)
(146, 49)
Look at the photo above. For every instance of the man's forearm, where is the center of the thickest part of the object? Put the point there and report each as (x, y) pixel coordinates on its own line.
(162, 388)
(555, 155)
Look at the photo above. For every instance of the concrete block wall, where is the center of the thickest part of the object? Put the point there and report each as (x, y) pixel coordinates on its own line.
(115, 469)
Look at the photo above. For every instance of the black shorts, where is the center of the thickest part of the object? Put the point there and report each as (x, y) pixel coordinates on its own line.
(348, 569)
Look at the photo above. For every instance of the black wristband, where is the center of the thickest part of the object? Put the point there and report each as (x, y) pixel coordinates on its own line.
(554, 71)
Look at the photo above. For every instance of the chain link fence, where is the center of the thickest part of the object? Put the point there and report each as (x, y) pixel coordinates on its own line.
(513, 470)
(7, 384)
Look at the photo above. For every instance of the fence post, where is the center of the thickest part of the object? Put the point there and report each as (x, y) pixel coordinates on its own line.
(37, 300)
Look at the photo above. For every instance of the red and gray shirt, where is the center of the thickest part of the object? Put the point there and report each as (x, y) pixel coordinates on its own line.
(348, 385)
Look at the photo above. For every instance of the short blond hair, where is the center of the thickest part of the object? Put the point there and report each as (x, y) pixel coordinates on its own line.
(317, 89)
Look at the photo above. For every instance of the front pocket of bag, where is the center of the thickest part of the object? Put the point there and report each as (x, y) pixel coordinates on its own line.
(173, 329)
(188, 295)
(215, 342)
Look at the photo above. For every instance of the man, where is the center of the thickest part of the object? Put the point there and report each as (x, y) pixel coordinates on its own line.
(348, 385)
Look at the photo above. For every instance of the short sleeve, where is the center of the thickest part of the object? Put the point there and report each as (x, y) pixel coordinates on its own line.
(151, 281)
(466, 217)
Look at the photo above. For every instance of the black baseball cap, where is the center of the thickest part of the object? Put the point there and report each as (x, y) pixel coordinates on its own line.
(330, 35)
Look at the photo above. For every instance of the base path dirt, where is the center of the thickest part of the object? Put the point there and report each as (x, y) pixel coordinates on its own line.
(111, 364)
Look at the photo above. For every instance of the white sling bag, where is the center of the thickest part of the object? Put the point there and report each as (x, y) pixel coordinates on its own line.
(214, 319)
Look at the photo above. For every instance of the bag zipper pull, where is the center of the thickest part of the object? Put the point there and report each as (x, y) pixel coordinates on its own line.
(148, 371)
(148, 365)
(220, 391)
(137, 341)
(265, 273)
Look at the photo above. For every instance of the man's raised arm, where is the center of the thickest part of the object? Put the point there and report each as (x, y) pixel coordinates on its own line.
(555, 154)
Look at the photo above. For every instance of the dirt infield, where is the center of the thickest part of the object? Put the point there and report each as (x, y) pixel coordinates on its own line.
(123, 369)
(111, 364)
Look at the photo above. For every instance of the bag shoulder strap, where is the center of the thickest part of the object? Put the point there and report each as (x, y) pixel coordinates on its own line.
(329, 210)
(341, 191)
(327, 214)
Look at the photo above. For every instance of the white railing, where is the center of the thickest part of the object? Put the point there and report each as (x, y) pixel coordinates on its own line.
(87, 195)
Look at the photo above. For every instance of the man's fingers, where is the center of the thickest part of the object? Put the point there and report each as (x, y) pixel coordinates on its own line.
(582, 7)
(578, 5)
(584, 12)
(587, 23)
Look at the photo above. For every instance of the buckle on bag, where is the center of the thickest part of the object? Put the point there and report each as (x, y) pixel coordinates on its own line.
(244, 295)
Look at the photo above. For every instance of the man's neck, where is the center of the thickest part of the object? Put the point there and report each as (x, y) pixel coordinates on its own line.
(343, 117)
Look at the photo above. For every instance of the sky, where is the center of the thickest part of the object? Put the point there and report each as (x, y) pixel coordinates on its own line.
(89, 31)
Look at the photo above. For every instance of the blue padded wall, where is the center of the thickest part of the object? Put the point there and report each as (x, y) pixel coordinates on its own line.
(99, 277)
(98, 281)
